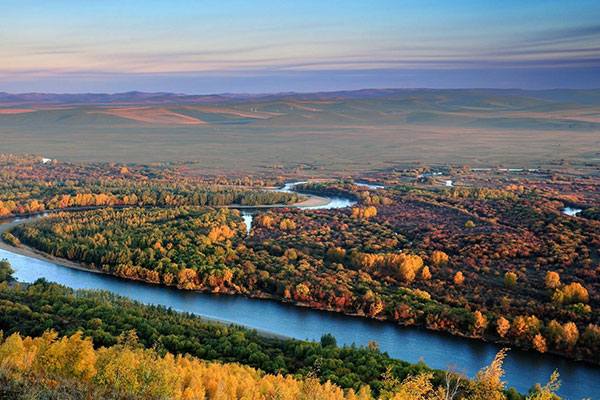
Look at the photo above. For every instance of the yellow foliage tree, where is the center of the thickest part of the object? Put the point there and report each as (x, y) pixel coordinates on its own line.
(571, 293)
(439, 258)
(459, 278)
(539, 343)
(503, 326)
(417, 387)
(479, 322)
(488, 384)
(510, 279)
(265, 221)
(187, 278)
(134, 372)
(552, 280)
(287, 224)
(364, 213)
(570, 333)
(425, 274)
(548, 391)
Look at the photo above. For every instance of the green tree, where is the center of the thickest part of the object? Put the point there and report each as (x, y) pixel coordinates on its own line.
(5, 271)
(328, 340)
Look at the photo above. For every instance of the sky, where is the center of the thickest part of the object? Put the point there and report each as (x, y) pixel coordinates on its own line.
(260, 46)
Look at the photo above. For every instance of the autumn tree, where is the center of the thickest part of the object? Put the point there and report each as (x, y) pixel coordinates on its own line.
(479, 322)
(187, 278)
(570, 294)
(488, 384)
(539, 343)
(554, 332)
(287, 224)
(69, 357)
(570, 334)
(414, 387)
(126, 370)
(302, 291)
(502, 326)
(364, 212)
(439, 258)
(336, 253)
(459, 278)
(510, 279)
(265, 221)
(10, 239)
(552, 280)
(548, 391)
(5, 270)
(220, 233)
(373, 346)
(425, 274)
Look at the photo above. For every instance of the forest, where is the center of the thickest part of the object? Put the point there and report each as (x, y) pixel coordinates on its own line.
(481, 266)
(494, 260)
(61, 344)
(29, 186)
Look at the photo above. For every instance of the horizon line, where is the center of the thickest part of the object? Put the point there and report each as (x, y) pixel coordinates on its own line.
(296, 92)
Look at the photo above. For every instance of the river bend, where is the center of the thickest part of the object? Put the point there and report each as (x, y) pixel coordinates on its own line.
(437, 349)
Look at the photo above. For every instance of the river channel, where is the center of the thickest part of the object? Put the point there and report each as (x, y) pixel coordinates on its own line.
(437, 349)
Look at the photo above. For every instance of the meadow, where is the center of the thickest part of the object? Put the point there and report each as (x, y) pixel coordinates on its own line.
(316, 134)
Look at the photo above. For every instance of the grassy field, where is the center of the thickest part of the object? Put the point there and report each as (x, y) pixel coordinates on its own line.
(321, 133)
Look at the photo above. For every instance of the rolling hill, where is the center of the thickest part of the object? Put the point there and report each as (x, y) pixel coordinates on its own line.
(373, 129)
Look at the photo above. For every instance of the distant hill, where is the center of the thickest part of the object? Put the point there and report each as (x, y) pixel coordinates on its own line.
(437, 95)
(344, 130)
(469, 108)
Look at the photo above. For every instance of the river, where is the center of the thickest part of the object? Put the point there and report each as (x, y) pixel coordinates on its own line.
(437, 349)
(571, 211)
(330, 202)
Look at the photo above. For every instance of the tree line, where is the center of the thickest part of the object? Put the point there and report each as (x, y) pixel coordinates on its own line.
(97, 344)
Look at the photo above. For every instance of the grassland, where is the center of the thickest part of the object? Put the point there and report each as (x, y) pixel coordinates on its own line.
(322, 133)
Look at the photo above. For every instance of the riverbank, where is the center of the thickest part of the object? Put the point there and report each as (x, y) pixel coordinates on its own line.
(336, 199)
(407, 343)
(38, 255)
(28, 251)
(311, 201)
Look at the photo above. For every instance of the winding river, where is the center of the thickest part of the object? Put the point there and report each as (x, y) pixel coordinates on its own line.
(437, 349)
(328, 203)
